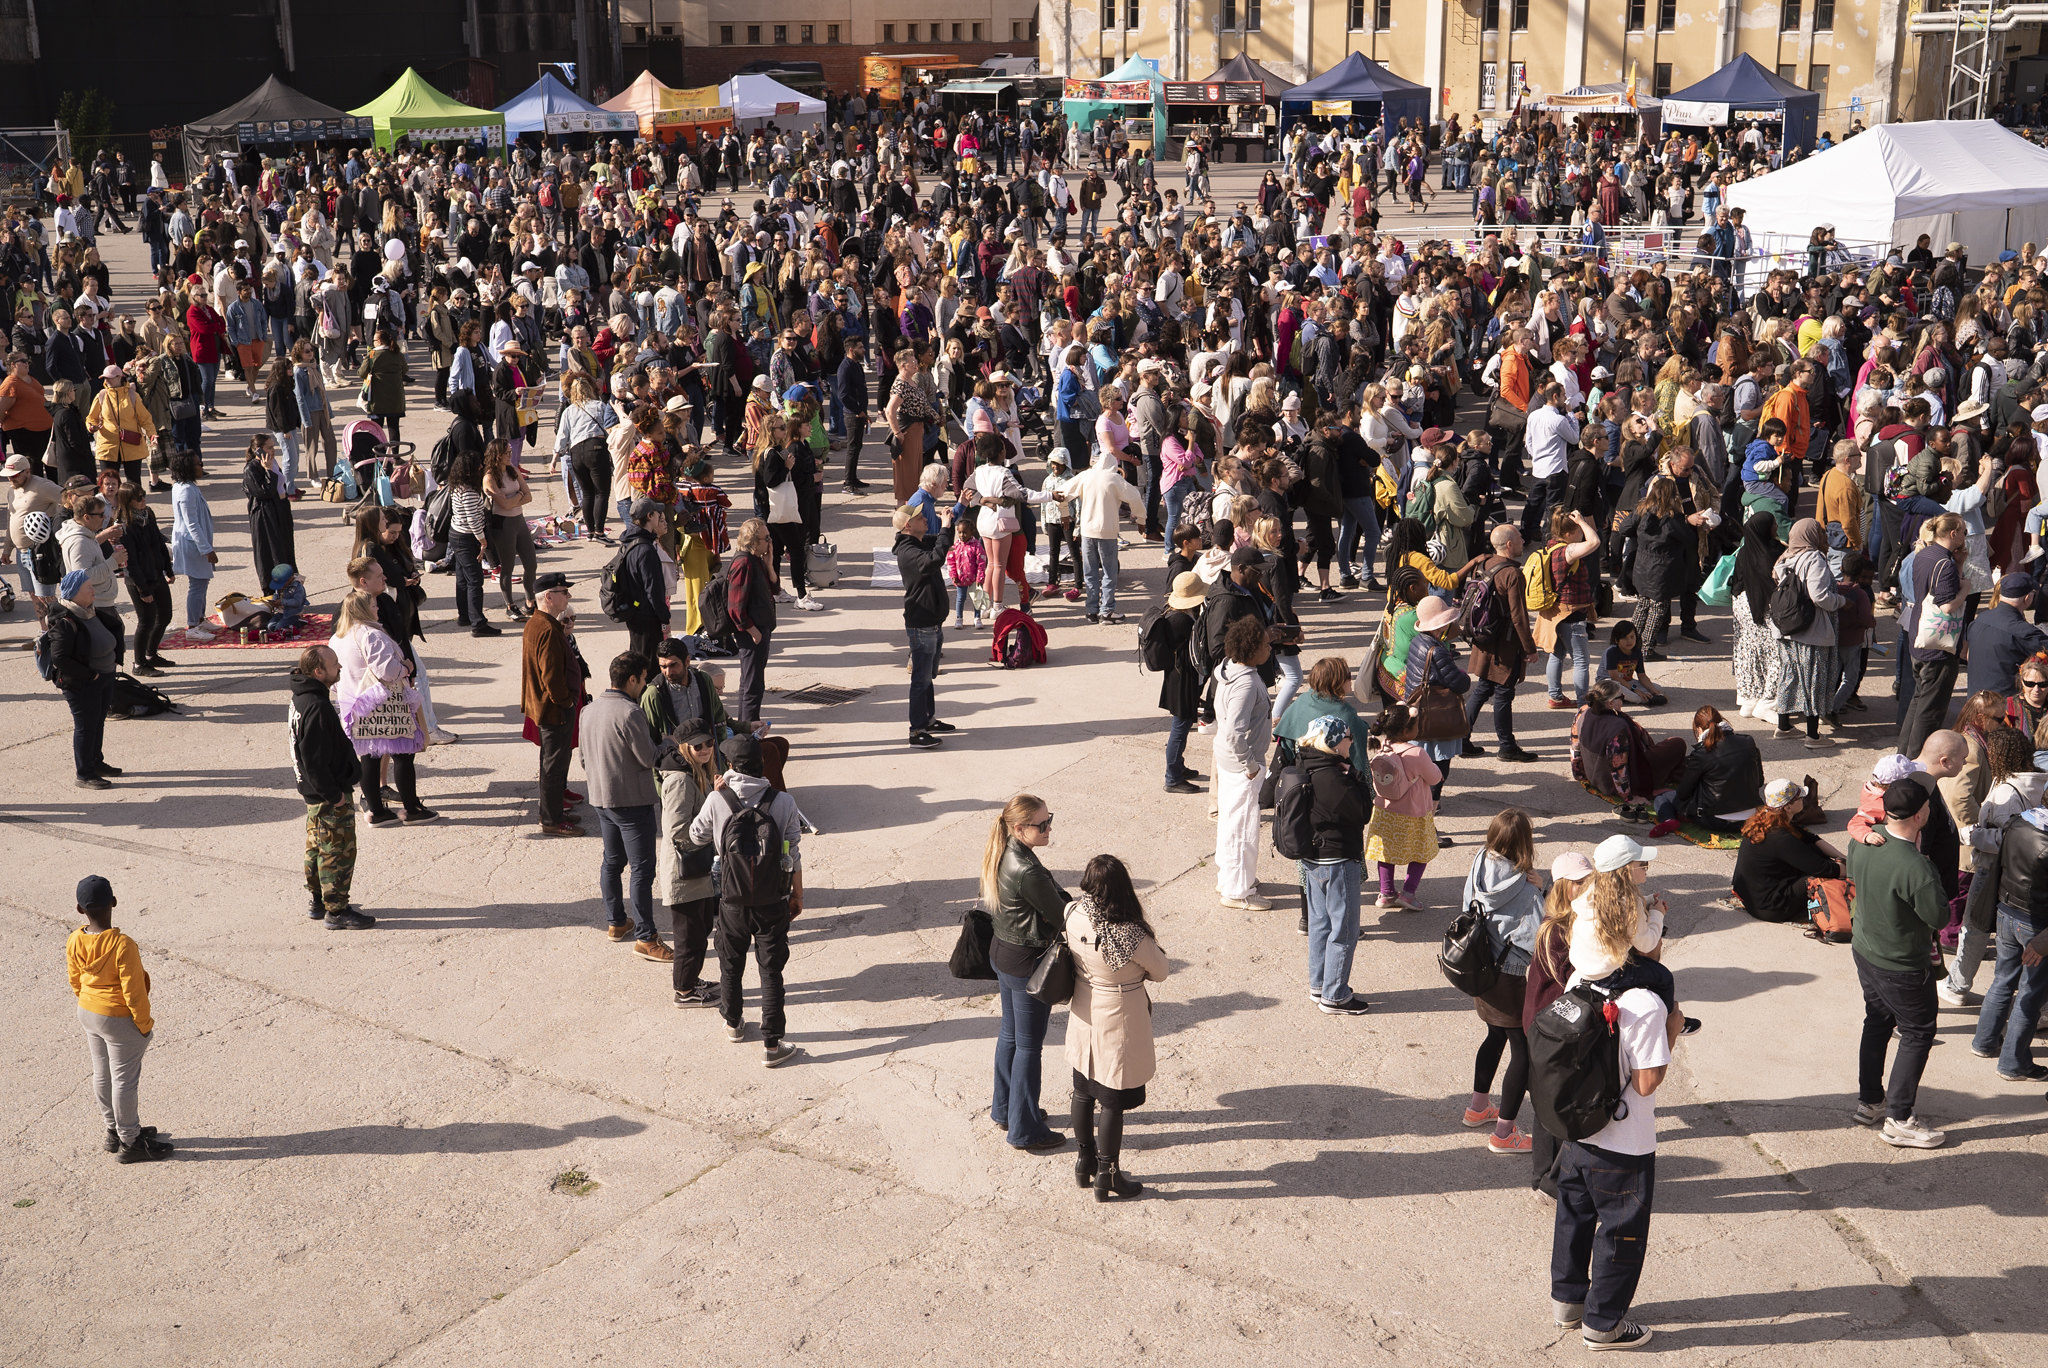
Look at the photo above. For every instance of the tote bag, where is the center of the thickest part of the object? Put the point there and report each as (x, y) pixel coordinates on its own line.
(782, 503)
(1715, 592)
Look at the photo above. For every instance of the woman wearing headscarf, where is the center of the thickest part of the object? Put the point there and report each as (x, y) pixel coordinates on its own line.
(1109, 1021)
(1756, 649)
(1809, 661)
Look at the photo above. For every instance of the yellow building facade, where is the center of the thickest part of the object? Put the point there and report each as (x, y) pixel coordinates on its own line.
(1473, 53)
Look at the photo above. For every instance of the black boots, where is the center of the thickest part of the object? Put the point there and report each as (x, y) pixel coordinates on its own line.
(1083, 1116)
(1110, 1182)
(146, 1148)
(1096, 1164)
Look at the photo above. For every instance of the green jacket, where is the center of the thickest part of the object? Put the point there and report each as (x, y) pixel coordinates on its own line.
(384, 375)
(661, 714)
(1899, 904)
(1030, 907)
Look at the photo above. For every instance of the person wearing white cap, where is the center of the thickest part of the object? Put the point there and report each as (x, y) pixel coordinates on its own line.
(1606, 1181)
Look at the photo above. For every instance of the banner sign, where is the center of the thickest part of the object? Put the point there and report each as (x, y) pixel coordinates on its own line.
(302, 130)
(1690, 113)
(1112, 92)
(1215, 92)
(492, 135)
(1330, 108)
(705, 114)
(581, 121)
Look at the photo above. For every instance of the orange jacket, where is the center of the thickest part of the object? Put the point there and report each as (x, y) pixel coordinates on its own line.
(1789, 407)
(1515, 377)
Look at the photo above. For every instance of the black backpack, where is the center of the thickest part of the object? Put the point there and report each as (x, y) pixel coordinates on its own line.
(46, 561)
(1294, 828)
(1791, 609)
(608, 585)
(714, 606)
(1575, 1063)
(750, 858)
(1466, 956)
(133, 698)
(440, 521)
(1484, 619)
(441, 460)
(1198, 643)
(1155, 641)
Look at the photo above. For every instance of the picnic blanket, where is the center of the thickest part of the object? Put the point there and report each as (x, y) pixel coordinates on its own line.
(1687, 831)
(313, 628)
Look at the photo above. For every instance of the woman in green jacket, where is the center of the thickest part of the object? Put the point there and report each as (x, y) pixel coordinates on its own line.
(385, 377)
(1028, 909)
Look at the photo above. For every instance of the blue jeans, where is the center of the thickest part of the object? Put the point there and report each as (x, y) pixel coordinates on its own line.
(924, 665)
(629, 837)
(1361, 519)
(288, 443)
(209, 380)
(1571, 637)
(1331, 892)
(1018, 1045)
(1098, 564)
(195, 600)
(1174, 496)
(1603, 1226)
(1290, 680)
(2014, 1000)
(281, 339)
(1503, 696)
(1852, 677)
(1177, 749)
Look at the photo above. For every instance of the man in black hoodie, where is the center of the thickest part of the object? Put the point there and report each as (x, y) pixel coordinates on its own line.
(640, 588)
(325, 766)
(924, 613)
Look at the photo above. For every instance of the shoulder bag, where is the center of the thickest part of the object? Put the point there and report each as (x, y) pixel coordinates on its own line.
(1052, 979)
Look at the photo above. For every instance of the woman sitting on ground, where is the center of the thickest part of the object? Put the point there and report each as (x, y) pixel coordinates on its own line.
(1777, 857)
(1723, 778)
(1615, 759)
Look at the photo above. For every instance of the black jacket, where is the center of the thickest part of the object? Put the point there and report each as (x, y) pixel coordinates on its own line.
(149, 555)
(323, 759)
(1728, 778)
(1667, 553)
(642, 588)
(2023, 868)
(1180, 688)
(71, 646)
(1339, 805)
(924, 589)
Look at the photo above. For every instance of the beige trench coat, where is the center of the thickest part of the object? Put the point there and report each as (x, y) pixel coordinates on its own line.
(1109, 1024)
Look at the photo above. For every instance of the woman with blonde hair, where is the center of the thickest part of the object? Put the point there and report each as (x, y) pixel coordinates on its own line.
(1548, 971)
(1028, 909)
(380, 709)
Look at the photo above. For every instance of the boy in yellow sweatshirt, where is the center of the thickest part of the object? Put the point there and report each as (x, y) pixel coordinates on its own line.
(112, 989)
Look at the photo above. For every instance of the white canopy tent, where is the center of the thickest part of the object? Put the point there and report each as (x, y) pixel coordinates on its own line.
(1969, 181)
(758, 100)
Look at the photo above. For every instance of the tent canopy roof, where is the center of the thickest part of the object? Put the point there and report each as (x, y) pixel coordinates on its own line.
(412, 100)
(1357, 77)
(1243, 68)
(546, 96)
(1905, 171)
(1744, 83)
(1137, 69)
(644, 96)
(756, 96)
(269, 102)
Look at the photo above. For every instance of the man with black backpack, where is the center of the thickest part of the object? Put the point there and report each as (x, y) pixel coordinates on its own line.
(1494, 617)
(633, 589)
(756, 832)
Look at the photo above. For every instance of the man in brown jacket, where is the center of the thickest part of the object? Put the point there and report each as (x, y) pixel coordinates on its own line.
(1497, 667)
(549, 687)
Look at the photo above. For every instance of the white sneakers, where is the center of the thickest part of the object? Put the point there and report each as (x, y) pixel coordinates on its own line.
(1952, 997)
(1254, 903)
(1911, 1134)
(810, 604)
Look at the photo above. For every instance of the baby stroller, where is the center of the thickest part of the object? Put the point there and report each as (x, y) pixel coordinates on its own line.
(1031, 422)
(373, 472)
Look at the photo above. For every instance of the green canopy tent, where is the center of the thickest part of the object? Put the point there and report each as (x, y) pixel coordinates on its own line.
(413, 106)
(1134, 92)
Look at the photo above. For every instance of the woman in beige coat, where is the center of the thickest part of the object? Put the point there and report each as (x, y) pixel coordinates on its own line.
(1109, 1026)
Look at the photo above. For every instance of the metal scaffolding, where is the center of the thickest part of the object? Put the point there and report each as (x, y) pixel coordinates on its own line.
(1976, 31)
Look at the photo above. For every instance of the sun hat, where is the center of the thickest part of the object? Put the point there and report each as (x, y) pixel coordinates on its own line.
(1889, 769)
(1188, 591)
(1782, 793)
(1326, 733)
(1433, 613)
(1619, 852)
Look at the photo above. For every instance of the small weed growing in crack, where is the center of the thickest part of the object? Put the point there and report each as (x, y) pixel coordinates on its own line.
(574, 1182)
(25, 1202)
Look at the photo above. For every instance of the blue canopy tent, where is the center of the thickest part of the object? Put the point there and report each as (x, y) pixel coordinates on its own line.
(1745, 89)
(548, 106)
(1119, 96)
(1372, 91)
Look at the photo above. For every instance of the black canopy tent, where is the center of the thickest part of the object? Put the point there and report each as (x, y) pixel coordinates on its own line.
(1241, 86)
(273, 113)
(1243, 68)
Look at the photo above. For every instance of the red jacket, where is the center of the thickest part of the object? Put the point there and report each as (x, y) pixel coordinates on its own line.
(207, 329)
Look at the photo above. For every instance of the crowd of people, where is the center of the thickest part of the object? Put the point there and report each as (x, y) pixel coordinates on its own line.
(1288, 402)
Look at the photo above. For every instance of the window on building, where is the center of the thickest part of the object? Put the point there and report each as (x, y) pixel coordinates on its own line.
(1133, 15)
(1817, 75)
(1251, 16)
(1635, 16)
(1490, 16)
(1354, 16)
(1823, 16)
(640, 34)
(956, 33)
(1660, 79)
(1109, 15)
(977, 33)
(831, 33)
(725, 34)
(805, 33)
(1383, 15)
(1229, 16)
(1520, 17)
(1667, 15)
(910, 33)
(1016, 31)
(1108, 65)
(1788, 16)
(668, 30)
(888, 33)
(1788, 73)
(781, 34)
(753, 33)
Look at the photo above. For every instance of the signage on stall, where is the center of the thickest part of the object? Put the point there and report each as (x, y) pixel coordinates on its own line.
(1215, 92)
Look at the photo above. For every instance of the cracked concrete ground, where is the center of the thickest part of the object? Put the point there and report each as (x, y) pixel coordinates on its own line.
(369, 1125)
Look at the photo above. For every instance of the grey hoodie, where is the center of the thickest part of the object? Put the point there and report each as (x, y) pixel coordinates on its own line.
(2013, 794)
(709, 824)
(1512, 905)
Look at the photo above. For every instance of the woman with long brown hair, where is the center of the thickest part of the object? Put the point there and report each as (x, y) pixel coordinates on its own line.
(1723, 778)
(1028, 909)
(1667, 558)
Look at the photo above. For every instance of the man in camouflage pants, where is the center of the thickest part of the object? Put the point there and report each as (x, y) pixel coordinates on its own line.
(325, 764)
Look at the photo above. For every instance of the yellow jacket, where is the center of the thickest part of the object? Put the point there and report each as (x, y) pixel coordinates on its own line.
(107, 975)
(115, 409)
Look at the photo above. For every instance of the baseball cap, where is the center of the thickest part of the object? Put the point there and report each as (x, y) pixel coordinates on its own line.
(2040, 413)
(2016, 585)
(1904, 800)
(1619, 852)
(553, 579)
(1780, 793)
(1571, 865)
(17, 464)
(95, 894)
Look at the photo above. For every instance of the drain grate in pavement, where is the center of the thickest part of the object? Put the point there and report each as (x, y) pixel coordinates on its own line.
(824, 695)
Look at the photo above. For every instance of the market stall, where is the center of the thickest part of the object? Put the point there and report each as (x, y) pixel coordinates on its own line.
(1606, 106)
(667, 114)
(411, 106)
(1971, 181)
(550, 108)
(1133, 95)
(760, 100)
(1744, 91)
(1358, 89)
(890, 74)
(1234, 106)
(271, 116)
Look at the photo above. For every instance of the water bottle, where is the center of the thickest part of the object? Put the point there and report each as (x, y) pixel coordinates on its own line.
(788, 864)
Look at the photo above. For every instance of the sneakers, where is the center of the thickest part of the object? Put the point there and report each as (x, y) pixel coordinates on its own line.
(483, 628)
(1664, 828)
(1911, 1134)
(92, 782)
(1624, 1335)
(113, 1140)
(1952, 997)
(1514, 1142)
(383, 817)
(939, 726)
(1481, 1118)
(2029, 1073)
(809, 604)
(1386, 900)
(1354, 1005)
(350, 920)
(1816, 743)
(702, 993)
(1568, 1315)
(415, 815)
(736, 1034)
(438, 737)
(560, 829)
(1045, 1144)
(654, 950)
(144, 1149)
(923, 740)
(1254, 903)
(1867, 1113)
(619, 931)
(776, 1055)
(1562, 703)
(1472, 752)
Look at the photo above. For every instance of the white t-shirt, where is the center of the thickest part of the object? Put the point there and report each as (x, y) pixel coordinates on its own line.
(1644, 1045)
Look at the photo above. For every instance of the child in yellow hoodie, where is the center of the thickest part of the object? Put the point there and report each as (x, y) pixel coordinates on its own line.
(112, 988)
